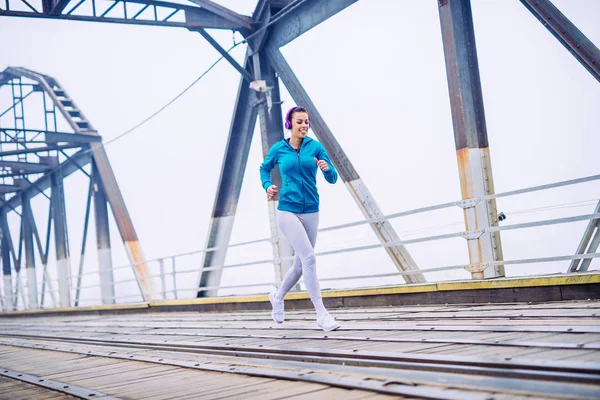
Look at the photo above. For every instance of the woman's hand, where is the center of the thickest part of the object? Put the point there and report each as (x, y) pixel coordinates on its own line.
(322, 164)
(272, 191)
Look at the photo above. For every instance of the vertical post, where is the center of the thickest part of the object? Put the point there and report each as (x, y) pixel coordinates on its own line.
(29, 252)
(163, 282)
(63, 263)
(470, 133)
(6, 262)
(83, 241)
(271, 129)
(107, 284)
(230, 185)
(174, 271)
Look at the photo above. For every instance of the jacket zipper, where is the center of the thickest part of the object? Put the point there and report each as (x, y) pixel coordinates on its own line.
(300, 173)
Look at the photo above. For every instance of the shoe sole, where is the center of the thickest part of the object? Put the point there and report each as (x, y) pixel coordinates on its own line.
(272, 306)
(338, 326)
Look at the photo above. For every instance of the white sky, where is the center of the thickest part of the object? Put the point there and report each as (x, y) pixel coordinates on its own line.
(376, 73)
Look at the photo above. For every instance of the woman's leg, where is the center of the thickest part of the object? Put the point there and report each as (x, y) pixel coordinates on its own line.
(296, 228)
(295, 272)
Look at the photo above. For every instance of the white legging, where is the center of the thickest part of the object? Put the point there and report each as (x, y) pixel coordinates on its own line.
(301, 232)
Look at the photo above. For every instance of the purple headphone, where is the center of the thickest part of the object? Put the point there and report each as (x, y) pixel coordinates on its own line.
(288, 116)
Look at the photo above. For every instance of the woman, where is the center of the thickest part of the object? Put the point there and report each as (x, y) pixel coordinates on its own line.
(298, 158)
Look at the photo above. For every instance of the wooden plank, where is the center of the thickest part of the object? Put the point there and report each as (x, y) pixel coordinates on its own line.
(13, 389)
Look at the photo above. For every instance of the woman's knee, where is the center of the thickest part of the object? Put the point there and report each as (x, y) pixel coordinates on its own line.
(309, 261)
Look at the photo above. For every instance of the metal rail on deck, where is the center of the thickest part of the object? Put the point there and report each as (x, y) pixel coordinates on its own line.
(158, 269)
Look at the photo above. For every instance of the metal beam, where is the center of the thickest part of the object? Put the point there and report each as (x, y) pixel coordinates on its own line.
(567, 34)
(226, 55)
(588, 244)
(6, 260)
(241, 20)
(359, 191)
(107, 284)
(37, 150)
(271, 128)
(305, 15)
(230, 184)
(84, 241)
(21, 167)
(9, 188)
(59, 137)
(123, 219)
(470, 133)
(59, 215)
(27, 228)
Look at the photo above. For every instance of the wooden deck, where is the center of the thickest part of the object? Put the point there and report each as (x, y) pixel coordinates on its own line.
(482, 351)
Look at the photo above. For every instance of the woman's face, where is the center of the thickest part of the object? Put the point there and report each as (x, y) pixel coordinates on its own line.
(300, 124)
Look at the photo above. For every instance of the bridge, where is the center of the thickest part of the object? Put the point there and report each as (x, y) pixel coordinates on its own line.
(430, 308)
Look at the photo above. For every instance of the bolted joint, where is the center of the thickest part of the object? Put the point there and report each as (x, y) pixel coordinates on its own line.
(470, 203)
(475, 268)
(471, 235)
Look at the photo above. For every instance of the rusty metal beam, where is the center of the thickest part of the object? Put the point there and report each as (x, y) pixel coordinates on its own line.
(567, 34)
(305, 15)
(470, 134)
(271, 128)
(107, 285)
(230, 184)
(122, 218)
(358, 189)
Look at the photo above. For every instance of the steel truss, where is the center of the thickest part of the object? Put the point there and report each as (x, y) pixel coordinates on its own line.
(35, 160)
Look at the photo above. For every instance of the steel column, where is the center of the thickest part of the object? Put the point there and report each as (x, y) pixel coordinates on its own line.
(122, 218)
(230, 184)
(27, 229)
(271, 128)
(63, 263)
(6, 261)
(359, 191)
(107, 284)
(567, 34)
(470, 132)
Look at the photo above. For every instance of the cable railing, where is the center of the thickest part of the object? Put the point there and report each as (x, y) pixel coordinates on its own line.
(169, 277)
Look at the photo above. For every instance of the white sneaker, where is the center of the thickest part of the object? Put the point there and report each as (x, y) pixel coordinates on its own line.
(277, 312)
(327, 323)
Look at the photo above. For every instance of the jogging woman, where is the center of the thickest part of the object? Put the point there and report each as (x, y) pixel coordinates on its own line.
(299, 158)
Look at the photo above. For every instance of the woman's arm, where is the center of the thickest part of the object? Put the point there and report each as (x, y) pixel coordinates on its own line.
(266, 167)
(331, 174)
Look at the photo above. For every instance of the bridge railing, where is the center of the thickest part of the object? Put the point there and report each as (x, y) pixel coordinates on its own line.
(175, 276)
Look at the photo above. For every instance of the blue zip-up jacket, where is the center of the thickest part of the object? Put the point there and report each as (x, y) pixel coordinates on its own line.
(299, 192)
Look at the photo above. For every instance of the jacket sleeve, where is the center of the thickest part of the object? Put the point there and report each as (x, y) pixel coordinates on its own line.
(267, 165)
(331, 175)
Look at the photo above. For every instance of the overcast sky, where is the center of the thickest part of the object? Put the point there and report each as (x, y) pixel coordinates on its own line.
(376, 73)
